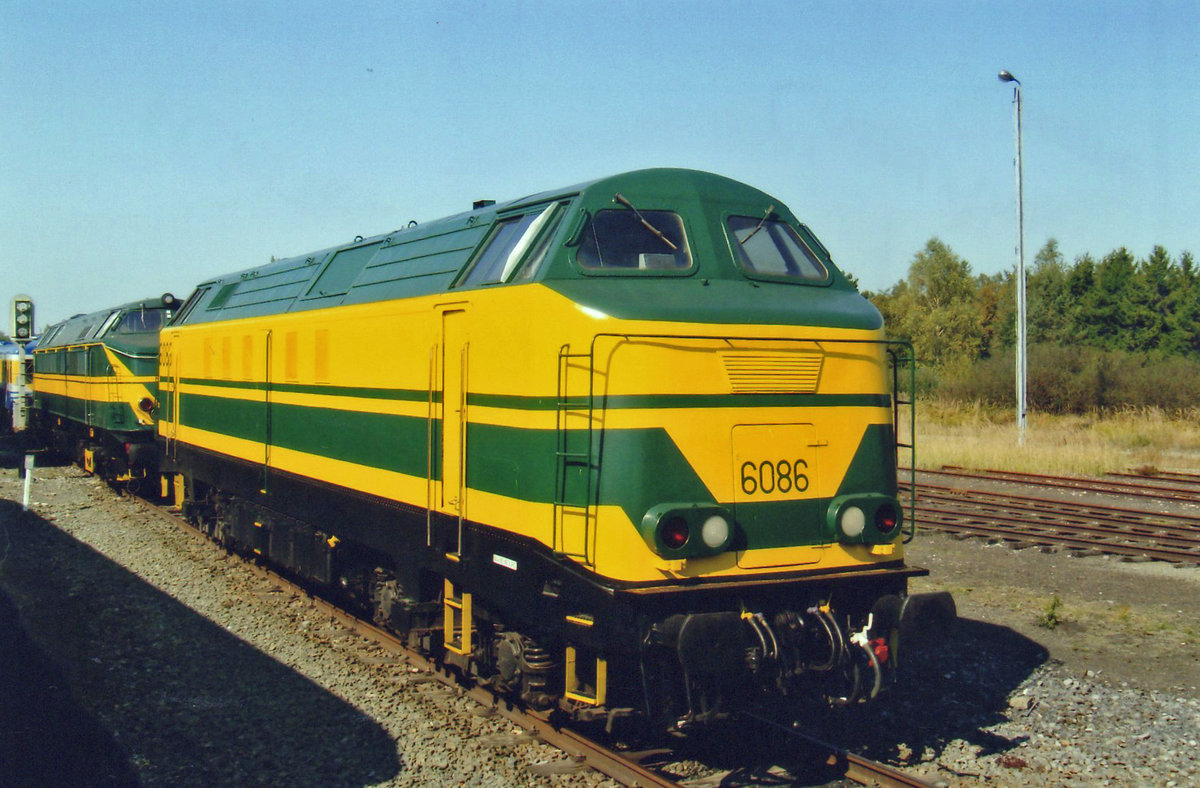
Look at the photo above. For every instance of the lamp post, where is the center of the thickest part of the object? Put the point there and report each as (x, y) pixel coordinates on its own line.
(1022, 357)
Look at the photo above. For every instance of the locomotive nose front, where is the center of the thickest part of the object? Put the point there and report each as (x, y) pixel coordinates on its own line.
(730, 660)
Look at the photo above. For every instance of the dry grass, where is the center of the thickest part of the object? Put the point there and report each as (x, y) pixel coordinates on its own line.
(975, 437)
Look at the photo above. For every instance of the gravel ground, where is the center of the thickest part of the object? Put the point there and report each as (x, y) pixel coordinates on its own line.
(156, 659)
(1063, 671)
(198, 672)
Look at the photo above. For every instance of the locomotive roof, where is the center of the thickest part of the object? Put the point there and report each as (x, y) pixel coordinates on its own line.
(92, 326)
(428, 258)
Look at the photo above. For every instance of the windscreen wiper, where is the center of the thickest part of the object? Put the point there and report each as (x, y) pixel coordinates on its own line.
(770, 210)
(644, 221)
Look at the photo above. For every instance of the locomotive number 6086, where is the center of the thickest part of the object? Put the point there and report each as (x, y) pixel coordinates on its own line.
(779, 476)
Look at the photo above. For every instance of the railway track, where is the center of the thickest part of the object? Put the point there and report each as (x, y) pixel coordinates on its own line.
(1080, 524)
(643, 769)
(1156, 485)
(852, 767)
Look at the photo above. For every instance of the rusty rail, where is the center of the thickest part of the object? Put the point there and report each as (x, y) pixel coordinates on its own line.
(1083, 526)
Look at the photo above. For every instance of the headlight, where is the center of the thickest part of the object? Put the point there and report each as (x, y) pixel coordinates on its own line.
(853, 522)
(715, 531)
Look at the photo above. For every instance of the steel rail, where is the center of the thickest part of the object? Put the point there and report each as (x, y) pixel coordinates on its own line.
(1129, 489)
(1130, 520)
(1183, 477)
(1079, 528)
(575, 745)
(863, 771)
(982, 519)
(1044, 538)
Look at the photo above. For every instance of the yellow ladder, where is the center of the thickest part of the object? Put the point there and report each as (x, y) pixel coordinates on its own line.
(456, 620)
(586, 679)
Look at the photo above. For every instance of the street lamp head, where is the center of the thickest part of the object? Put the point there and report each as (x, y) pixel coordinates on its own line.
(1004, 76)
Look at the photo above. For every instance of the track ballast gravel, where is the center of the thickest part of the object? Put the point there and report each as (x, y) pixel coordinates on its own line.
(154, 658)
(200, 672)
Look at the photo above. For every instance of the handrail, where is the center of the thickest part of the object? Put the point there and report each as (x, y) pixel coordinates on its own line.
(86, 345)
(563, 452)
(462, 445)
(901, 353)
(429, 448)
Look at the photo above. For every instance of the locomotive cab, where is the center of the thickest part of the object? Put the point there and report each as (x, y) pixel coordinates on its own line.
(725, 417)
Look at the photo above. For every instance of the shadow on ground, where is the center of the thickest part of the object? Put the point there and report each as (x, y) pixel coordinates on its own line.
(14, 448)
(105, 680)
(48, 738)
(950, 689)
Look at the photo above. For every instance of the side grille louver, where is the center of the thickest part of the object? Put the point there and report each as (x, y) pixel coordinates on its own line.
(773, 373)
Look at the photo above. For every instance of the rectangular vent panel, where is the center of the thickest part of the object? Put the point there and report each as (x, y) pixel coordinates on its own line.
(773, 373)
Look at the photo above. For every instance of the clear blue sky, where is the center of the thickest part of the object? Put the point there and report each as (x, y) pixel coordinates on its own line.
(147, 146)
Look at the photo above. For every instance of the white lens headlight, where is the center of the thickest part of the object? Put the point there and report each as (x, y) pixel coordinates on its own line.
(715, 531)
(853, 522)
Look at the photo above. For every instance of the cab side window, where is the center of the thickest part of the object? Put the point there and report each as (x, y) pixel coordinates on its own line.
(505, 247)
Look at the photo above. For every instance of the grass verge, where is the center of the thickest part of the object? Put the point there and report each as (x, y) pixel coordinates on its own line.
(974, 436)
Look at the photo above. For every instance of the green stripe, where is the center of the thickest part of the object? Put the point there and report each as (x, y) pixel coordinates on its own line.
(665, 401)
(389, 442)
(545, 403)
(656, 401)
(233, 417)
(511, 401)
(873, 468)
(401, 395)
(634, 469)
(640, 468)
(725, 298)
(393, 443)
(116, 416)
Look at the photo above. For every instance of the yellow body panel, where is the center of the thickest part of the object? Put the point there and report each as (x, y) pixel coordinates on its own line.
(507, 342)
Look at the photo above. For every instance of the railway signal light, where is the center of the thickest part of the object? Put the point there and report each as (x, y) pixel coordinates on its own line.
(22, 318)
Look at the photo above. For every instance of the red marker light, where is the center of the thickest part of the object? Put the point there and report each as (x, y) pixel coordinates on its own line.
(674, 532)
(886, 518)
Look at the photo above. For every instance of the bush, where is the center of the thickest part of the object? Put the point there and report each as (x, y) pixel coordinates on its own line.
(1076, 380)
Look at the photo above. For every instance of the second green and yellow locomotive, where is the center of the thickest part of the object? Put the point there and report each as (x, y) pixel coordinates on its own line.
(95, 387)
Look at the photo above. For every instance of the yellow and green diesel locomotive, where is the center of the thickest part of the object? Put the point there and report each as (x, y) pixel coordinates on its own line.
(95, 386)
(624, 449)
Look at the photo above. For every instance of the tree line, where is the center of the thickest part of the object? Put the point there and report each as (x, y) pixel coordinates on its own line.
(1102, 334)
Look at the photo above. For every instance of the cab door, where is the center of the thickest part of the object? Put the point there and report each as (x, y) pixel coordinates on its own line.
(168, 390)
